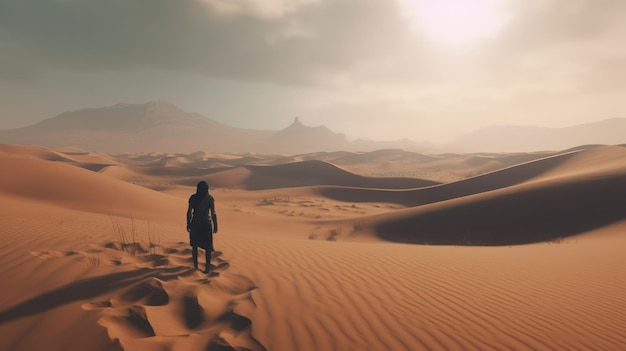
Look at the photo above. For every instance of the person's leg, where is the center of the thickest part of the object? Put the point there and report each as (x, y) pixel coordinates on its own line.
(209, 250)
(207, 254)
(194, 255)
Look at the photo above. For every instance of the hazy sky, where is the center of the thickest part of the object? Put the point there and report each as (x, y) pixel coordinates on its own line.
(379, 69)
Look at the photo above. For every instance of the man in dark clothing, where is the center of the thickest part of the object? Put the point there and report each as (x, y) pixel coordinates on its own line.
(201, 223)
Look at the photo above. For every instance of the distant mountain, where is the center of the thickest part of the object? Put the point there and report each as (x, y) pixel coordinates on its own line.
(526, 138)
(307, 139)
(163, 127)
(154, 126)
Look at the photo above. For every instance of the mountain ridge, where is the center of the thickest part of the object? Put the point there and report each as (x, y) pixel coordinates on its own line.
(511, 138)
(163, 127)
(150, 114)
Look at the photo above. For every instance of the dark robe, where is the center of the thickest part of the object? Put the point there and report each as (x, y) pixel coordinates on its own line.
(201, 233)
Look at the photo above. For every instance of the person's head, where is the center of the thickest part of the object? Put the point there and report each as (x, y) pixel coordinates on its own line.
(202, 188)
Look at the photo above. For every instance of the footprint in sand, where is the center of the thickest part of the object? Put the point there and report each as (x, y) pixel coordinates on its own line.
(168, 306)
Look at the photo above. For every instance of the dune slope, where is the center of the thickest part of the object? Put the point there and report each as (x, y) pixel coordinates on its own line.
(524, 214)
(311, 173)
(499, 179)
(78, 188)
(538, 201)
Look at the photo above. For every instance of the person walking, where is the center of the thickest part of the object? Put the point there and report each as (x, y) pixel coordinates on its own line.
(201, 223)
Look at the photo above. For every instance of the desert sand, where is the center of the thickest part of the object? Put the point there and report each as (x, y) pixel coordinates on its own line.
(385, 250)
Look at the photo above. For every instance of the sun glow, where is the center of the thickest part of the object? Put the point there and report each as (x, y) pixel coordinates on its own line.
(454, 21)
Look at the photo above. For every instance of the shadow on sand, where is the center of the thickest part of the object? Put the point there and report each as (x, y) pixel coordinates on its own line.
(89, 288)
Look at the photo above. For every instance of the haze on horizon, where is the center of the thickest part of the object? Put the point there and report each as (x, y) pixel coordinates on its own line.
(427, 70)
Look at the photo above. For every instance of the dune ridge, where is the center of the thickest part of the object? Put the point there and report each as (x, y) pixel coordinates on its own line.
(80, 189)
(577, 192)
(526, 214)
(551, 166)
(310, 173)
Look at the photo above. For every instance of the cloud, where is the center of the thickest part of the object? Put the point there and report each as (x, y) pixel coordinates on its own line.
(540, 23)
(266, 8)
(300, 42)
(285, 41)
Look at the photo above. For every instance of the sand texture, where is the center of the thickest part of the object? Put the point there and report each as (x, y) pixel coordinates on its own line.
(385, 250)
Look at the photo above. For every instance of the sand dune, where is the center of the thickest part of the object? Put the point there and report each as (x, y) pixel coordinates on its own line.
(389, 155)
(440, 168)
(593, 162)
(491, 181)
(561, 165)
(33, 151)
(92, 261)
(523, 214)
(310, 173)
(541, 200)
(80, 189)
